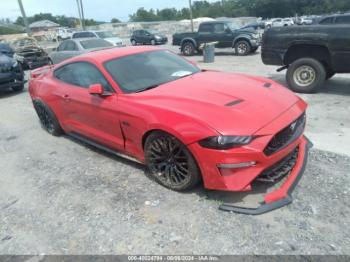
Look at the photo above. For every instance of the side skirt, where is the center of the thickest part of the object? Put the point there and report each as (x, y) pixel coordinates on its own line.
(90, 142)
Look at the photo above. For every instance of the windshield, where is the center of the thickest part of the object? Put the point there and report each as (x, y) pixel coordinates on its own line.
(105, 34)
(233, 26)
(136, 73)
(95, 43)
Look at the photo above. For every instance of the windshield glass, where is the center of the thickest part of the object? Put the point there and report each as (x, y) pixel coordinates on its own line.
(95, 43)
(138, 72)
(233, 26)
(105, 34)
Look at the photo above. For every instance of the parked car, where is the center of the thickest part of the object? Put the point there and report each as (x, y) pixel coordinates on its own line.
(184, 124)
(11, 73)
(226, 34)
(254, 26)
(287, 22)
(106, 35)
(63, 33)
(145, 37)
(73, 47)
(29, 53)
(276, 22)
(305, 21)
(343, 19)
(311, 54)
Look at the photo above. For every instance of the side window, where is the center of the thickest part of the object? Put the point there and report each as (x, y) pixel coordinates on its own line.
(219, 28)
(71, 46)
(62, 46)
(206, 28)
(89, 34)
(327, 21)
(82, 74)
(343, 19)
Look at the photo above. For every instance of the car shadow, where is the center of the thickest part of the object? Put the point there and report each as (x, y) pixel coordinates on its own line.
(338, 85)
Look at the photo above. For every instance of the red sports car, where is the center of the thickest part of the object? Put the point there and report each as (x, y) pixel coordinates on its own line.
(185, 124)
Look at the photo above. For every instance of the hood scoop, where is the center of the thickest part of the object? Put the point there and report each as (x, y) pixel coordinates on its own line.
(235, 102)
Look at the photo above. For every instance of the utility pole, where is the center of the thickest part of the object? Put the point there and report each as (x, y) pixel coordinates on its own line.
(79, 11)
(82, 14)
(191, 16)
(24, 17)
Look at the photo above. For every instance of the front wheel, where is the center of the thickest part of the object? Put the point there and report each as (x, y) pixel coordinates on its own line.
(170, 163)
(153, 42)
(133, 42)
(242, 48)
(306, 75)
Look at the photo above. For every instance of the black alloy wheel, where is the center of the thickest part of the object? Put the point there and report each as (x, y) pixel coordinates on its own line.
(170, 163)
(47, 119)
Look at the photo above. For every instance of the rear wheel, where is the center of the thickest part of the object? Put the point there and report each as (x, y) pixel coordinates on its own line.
(188, 48)
(153, 42)
(48, 119)
(242, 48)
(170, 163)
(306, 75)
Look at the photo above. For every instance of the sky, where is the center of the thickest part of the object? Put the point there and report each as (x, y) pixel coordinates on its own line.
(100, 10)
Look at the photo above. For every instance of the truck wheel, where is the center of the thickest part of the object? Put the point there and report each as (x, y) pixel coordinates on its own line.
(242, 48)
(306, 75)
(187, 49)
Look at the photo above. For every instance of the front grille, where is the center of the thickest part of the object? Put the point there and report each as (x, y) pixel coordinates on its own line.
(280, 169)
(6, 69)
(286, 136)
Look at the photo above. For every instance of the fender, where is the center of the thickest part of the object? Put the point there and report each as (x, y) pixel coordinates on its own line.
(190, 39)
(241, 37)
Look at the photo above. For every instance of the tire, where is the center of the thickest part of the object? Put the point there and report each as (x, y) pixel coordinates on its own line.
(50, 61)
(242, 48)
(153, 42)
(133, 42)
(188, 49)
(18, 88)
(47, 119)
(170, 163)
(306, 75)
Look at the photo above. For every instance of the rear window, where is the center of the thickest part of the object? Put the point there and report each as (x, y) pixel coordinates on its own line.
(95, 43)
(83, 35)
(206, 28)
(327, 21)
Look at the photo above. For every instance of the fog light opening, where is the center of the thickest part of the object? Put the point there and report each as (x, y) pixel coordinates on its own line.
(238, 165)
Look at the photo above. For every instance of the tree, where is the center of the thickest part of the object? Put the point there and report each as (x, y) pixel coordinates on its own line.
(115, 20)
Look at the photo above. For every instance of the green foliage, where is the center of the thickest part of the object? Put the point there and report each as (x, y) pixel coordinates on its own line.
(4, 30)
(62, 20)
(115, 20)
(236, 8)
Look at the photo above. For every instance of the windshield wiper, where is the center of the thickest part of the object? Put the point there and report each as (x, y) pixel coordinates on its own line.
(146, 88)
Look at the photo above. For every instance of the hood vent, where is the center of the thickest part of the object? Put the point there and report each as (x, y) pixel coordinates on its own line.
(233, 103)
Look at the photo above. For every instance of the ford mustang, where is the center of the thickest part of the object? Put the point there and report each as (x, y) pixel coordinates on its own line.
(185, 124)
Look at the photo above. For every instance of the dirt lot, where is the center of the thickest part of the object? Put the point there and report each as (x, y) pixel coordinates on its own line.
(58, 196)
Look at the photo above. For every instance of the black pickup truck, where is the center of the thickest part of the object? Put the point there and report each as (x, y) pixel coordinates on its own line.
(312, 54)
(226, 34)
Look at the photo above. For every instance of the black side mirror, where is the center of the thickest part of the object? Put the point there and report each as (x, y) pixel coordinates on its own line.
(228, 30)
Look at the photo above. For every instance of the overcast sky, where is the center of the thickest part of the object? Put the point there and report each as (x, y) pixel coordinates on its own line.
(102, 10)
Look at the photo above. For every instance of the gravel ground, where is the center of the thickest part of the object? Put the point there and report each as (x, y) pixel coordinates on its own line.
(58, 196)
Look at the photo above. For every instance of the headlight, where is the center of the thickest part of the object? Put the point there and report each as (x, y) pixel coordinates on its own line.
(158, 37)
(256, 36)
(225, 142)
(15, 64)
(18, 57)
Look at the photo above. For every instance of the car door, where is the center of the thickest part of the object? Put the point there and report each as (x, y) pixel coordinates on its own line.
(223, 35)
(92, 116)
(205, 33)
(339, 41)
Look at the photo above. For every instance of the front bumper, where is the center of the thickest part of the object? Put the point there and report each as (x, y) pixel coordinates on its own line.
(283, 195)
(238, 168)
(32, 63)
(255, 43)
(10, 80)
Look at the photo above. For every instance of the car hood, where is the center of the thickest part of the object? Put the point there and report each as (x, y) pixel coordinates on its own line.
(232, 104)
(6, 61)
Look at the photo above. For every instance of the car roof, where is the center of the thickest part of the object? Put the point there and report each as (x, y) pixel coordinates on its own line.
(101, 56)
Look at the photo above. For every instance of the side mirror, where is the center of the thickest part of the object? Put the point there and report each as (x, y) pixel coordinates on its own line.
(96, 89)
(228, 30)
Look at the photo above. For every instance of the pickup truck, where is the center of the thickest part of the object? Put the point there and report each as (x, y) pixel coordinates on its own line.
(226, 34)
(312, 54)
